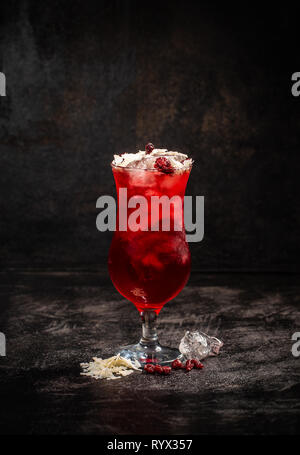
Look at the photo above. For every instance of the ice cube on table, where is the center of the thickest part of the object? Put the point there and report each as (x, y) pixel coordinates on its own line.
(198, 345)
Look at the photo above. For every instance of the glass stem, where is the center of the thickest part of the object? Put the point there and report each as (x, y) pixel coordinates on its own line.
(149, 334)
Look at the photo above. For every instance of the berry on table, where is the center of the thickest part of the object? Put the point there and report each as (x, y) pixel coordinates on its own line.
(176, 364)
(166, 370)
(159, 369)
(198, 364)
(149, 368)
(189, 365)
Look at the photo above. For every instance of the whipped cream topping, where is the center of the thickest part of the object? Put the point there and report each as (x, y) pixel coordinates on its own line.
(142, 160)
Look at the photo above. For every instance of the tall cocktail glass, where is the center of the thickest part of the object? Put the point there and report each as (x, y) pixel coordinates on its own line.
(149, 258)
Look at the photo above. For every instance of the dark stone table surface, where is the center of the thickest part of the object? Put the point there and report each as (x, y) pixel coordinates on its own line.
(53, 320)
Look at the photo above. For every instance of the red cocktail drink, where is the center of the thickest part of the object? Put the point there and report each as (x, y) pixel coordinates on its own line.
(149, 267)
(149, 258)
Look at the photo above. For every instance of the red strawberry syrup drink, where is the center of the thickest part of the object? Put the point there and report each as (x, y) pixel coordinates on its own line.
(149, 258)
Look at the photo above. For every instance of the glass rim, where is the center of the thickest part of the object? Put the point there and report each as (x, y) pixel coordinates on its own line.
(177, 171)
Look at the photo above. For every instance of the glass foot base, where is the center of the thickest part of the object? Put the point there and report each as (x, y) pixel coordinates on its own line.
(161, 355)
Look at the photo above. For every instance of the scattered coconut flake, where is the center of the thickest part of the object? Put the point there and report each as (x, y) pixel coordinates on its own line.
(112, 368)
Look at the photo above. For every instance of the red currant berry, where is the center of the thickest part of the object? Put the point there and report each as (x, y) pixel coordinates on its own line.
(176, 364)
(149, 368)
(159, 369)
(189, 365)
(149, 147)
(198, 364)
(164, 165)
(166, 370)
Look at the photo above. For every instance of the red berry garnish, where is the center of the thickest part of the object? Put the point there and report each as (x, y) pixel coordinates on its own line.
(159, 369)
(189, 365)
(166, 370)
(198, 364)
(164, 165)
(149, 147)
(176, 364)
(149, 368)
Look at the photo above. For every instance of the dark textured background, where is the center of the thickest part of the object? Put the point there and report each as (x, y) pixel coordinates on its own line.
(89, 79)
(86, 80)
